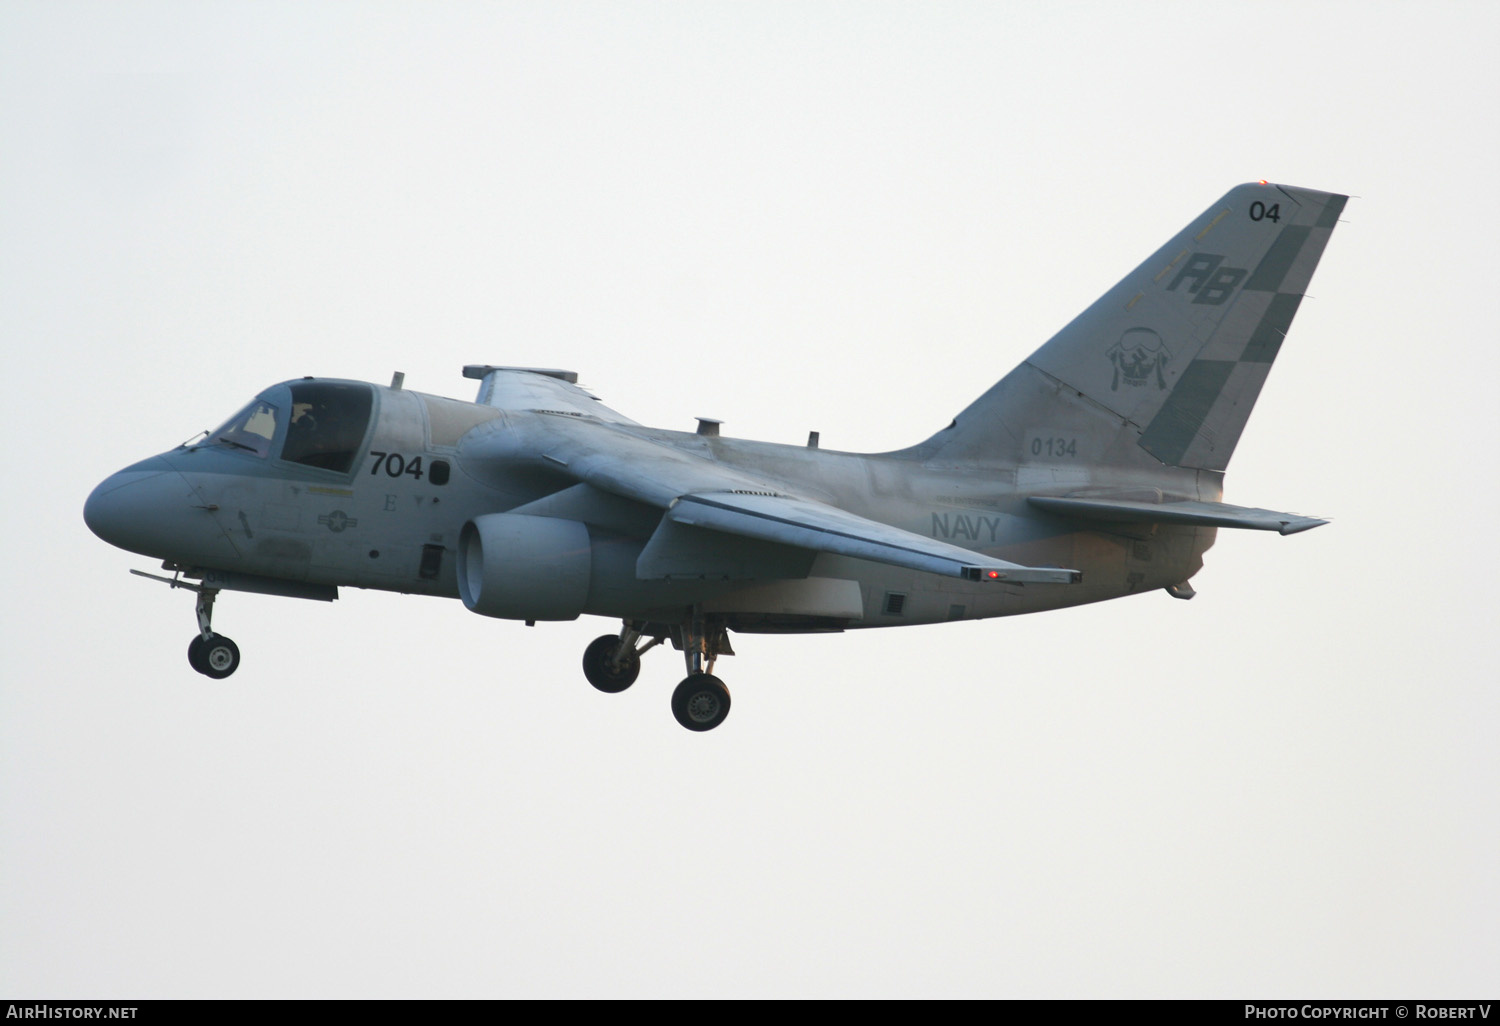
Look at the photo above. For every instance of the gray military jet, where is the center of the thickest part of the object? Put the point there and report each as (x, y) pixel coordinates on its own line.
(1093, 470)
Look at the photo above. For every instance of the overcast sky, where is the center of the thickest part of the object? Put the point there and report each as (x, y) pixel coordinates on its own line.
(843, 217)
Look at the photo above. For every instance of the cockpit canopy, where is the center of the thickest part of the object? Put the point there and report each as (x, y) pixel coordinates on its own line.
(319, 424)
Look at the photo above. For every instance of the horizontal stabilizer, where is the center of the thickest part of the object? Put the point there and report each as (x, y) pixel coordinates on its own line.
(814, 525)
(1202, 514)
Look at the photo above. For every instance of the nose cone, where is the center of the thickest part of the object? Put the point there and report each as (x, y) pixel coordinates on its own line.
(152, 509)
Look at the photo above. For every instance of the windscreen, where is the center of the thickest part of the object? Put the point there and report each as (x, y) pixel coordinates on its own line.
(252, 429)
(327, 425)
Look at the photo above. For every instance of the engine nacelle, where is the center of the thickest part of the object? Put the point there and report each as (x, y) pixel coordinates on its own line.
(524, 568)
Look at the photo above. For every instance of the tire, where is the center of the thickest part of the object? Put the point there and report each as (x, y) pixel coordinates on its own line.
(218, 658)
(195, 653)
(601, 674)
(701, 702)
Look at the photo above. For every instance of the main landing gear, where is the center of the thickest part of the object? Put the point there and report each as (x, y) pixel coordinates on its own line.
(701, 701)
(613, 663)
(212, 655)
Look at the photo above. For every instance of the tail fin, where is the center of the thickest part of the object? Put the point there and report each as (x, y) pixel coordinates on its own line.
(1165, 367)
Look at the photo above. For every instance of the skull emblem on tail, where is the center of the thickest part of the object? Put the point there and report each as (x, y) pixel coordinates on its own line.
(1138, 356)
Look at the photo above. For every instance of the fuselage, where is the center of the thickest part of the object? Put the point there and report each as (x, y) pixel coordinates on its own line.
(1092, 470)
(321, 484)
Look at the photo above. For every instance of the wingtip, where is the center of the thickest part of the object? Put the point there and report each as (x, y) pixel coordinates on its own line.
(1298, 526)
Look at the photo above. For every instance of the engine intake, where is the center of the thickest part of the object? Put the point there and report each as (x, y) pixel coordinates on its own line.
(524, 568)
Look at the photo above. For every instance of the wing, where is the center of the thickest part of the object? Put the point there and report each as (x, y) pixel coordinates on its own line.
(824, 528)
(1203, 514)
(699, 492)
(535, 388)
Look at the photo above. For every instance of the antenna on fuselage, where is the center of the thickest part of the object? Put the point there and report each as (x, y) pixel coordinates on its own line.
(397, 380)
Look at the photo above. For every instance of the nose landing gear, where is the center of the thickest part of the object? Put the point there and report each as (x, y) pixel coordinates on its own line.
(212, 655)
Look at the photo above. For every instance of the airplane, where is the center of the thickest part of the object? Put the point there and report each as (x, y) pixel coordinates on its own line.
(1092, 471)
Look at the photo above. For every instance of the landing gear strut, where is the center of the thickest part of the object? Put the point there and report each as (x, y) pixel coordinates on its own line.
(701, 701)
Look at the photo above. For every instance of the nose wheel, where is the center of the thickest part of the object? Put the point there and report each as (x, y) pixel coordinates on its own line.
(214, 656)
